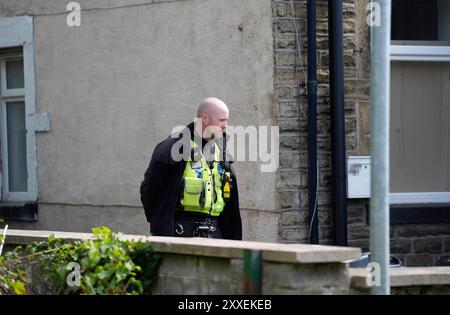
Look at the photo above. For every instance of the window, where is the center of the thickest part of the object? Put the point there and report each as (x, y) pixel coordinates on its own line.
(420, 127)
(18, 120)
(421, 22)
(420, 102)
(12, 122)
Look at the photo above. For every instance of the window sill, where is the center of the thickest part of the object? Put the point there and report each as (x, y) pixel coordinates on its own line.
(19, 211)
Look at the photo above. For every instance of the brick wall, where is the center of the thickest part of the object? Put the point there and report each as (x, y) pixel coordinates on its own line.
(291, 102)
(413, 244)
(416, 245)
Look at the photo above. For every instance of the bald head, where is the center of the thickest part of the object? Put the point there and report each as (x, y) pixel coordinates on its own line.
(213, 114)
(211, 105)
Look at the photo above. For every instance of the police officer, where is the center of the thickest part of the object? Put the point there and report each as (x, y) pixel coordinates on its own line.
(197, 195)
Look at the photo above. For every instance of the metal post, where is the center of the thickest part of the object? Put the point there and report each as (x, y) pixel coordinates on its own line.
(252, 272)
(379, 145)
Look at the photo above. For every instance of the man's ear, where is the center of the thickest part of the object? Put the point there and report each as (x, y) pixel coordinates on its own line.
(205, 119)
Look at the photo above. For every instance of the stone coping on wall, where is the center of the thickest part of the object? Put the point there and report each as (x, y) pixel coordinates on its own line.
(274, 252)
(404, 276)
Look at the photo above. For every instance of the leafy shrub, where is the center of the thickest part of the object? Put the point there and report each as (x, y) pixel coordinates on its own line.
(107, 265)
(13, 277)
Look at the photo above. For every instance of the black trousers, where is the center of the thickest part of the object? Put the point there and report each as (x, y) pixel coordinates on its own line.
(196, 225)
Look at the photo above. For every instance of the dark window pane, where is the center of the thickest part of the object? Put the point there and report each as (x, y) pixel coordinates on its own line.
(17, 152)
(421, 20)
(14, 74)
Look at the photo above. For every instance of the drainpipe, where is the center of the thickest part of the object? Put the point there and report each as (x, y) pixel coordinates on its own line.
(312, 124)
(379, 147)
(339, 175)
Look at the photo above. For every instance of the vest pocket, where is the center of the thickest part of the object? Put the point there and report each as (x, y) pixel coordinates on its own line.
(193, 188)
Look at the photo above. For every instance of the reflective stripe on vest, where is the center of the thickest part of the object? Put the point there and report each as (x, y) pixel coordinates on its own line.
(203, 186)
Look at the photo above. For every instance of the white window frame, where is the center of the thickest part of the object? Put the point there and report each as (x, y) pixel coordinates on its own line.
(16, 32)
(420, 53)
(425, 54)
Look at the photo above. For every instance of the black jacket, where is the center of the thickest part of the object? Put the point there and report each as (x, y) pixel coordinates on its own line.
(160, 191)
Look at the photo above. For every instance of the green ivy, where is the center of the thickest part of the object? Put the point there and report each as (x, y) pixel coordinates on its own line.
(107, 265)
(13, 276)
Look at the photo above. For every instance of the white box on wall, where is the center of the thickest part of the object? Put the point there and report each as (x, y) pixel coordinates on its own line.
(358, 176)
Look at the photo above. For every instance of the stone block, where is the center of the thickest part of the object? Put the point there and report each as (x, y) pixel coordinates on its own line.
(289, 110)
(400, 246)
(305, 279)
(356, 214)
(287, 26)
(429, 245)
(289, 160)
(447, 245)
(289, 125)
(290, 180)
(292, 143)
(285, 199)
(358, 231)
(283, 92)
(418, 260)
(420, 230)
(293, 217)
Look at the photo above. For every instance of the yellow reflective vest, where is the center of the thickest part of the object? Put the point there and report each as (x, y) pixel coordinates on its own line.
(202, 185)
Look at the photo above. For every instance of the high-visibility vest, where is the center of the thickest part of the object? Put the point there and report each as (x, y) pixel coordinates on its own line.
(202, 190)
